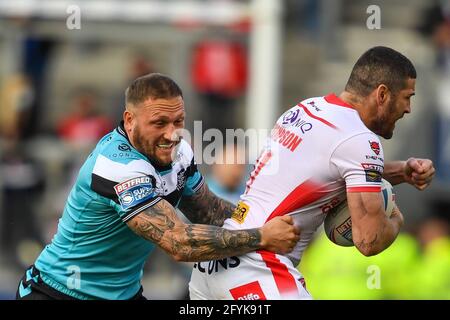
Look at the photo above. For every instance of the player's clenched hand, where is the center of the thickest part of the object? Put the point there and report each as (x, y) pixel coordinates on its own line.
(419, 172)
(280, 235)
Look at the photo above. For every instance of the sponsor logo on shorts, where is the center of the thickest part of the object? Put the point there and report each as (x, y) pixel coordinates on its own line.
(249, 291)
(216, 265)
(240, 212)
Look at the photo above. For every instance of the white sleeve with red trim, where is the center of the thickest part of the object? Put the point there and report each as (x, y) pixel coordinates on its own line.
(360, 161)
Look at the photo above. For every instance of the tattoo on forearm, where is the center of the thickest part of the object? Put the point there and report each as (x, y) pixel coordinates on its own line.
(154, 222)
(206, 208)
(192, 242)
(210, 242)
(363, 245)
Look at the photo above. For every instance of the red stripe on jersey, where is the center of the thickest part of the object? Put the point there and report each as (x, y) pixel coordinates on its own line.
(283, 278)
(316, 117)
(364, 189)
(334, 99)
(304, 194)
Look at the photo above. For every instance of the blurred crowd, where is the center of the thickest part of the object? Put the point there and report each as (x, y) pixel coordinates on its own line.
(39, 160)
(415, 266)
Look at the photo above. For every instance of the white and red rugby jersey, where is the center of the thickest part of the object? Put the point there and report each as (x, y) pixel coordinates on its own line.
(317, 151)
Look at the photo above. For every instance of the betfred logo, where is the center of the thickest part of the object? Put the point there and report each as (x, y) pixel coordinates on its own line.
(249, 291)
(375, 146)
(132, 183)
(372, 167)
(135, 191)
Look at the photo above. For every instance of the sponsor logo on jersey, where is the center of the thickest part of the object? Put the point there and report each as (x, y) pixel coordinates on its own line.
(124, 147)
(371, 157)
(127, 198)
(313, 104)
(373, 172)
(375, 146)
(215, 265)
(135, 191)
(132, 182)
(291, 116)
(286, 138)
(304, 126)
(121, 155)
(249, 291)
(373, 167)
(330, 205)
(373, 176)
(181, 179)
(240, 212)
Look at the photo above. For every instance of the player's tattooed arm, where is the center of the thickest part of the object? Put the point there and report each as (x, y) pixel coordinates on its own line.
(197, 242)
(205, 207)
(372, 231)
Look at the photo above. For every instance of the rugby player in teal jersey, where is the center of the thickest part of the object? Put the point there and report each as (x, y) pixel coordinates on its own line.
(122, 205)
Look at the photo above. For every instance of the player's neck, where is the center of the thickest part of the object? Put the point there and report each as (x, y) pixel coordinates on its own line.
(361, 105)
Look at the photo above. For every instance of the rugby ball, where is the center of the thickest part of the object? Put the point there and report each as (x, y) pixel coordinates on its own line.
(338, 224)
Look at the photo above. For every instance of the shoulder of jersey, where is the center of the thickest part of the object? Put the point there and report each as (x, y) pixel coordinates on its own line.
(117, 160)
(184, 152)
(117, 148)
(342, 116)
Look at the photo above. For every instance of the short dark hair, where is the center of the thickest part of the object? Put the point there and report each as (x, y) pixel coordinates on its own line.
(380, 65)
(152, 85)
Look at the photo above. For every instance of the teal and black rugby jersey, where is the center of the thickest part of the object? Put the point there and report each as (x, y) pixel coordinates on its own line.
(94, 254)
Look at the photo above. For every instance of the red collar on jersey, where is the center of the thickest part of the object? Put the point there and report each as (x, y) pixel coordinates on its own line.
(334, 99)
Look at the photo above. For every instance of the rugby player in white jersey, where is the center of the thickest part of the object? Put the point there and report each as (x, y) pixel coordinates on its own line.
(321, 152)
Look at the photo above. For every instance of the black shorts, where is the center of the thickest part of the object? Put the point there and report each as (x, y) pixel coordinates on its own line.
(37, 289)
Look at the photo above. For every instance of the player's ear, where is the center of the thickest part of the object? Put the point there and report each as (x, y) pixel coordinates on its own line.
(382, 94)
(128, 118)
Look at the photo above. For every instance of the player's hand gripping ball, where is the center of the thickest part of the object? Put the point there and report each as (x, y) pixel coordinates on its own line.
(338, 224)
